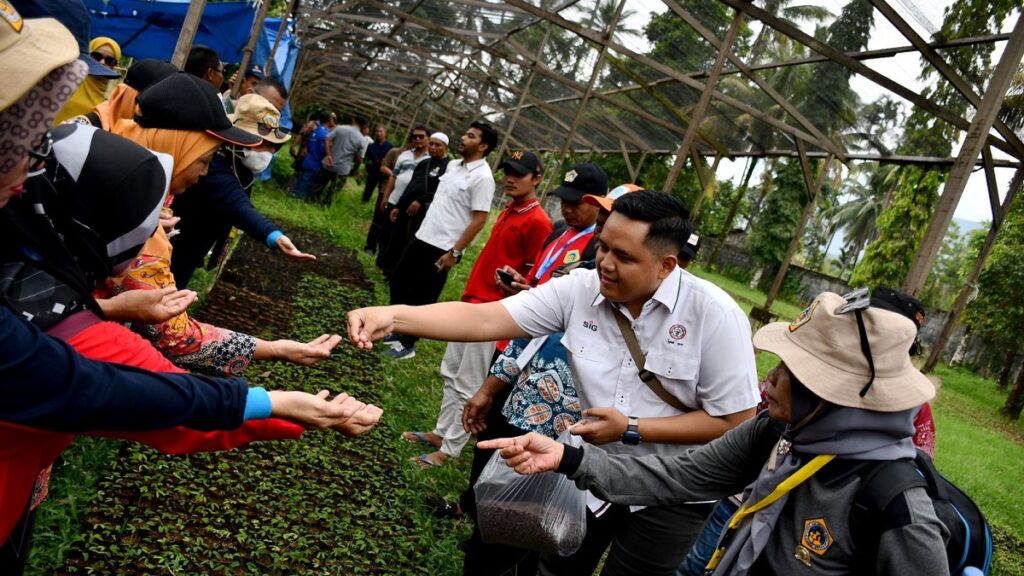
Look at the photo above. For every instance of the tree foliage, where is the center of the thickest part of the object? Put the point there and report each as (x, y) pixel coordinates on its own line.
(780, 215)
(997, 314)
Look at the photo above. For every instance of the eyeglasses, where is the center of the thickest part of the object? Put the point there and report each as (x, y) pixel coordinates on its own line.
(39, 156)
(266, 130)
(103, 58)
(418, 136)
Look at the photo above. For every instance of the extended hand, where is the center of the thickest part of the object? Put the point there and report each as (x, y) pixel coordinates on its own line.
(366, 325)
(529, 454)
(601, 425)
(475, 411)
(360, 422)
(147, 306)
(306, 354)
(343, 413)
(288, 249)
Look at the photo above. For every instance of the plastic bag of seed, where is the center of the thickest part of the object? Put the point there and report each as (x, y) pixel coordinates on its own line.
(544, 512)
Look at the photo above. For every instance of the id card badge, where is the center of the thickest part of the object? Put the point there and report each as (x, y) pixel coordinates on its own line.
(529, 352)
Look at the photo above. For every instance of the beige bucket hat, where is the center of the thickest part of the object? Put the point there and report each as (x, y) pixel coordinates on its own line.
(30, 49)
(822, 347)
(256, 115)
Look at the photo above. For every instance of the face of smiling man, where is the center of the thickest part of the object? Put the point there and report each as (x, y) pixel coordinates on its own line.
(629, 269)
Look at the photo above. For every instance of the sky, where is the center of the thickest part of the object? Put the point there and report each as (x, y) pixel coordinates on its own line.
(926, 17)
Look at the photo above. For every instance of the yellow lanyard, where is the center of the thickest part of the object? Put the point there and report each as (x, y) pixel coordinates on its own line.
(797, 478)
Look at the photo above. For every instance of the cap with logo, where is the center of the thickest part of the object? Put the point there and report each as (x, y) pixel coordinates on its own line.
(255, 72)
(605, 202)
(75, 17)
(521, 162)
(580, 180)
(184, 102)
(256, 115)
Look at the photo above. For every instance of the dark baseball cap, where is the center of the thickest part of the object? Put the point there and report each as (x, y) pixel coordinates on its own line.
(255, 72)
(184, 102)
(899, 302)
(145, 73)
(521, 162)
(582, 179)
(75, 17)
(691, 247)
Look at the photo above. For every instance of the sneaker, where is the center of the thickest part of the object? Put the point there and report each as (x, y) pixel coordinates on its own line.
(400, 352)
(392, 341)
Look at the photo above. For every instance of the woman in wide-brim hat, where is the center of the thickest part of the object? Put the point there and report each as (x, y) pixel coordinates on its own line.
(844, 396)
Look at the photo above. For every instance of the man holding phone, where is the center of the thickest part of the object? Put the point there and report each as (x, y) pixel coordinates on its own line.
(516, 237)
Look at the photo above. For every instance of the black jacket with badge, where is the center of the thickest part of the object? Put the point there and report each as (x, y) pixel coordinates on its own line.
(812, 535)
(423, 185)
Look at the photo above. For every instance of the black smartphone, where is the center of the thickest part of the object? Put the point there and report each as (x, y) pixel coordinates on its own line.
(506, 278)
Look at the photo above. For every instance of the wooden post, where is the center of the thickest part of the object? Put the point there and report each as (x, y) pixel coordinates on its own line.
(812, 195)
(708, 186)
(567, 145)
(977, 134)
(254, 33)
(188, 33)
(292, 7)
(522, 100)
(705, 98)
(965, 291)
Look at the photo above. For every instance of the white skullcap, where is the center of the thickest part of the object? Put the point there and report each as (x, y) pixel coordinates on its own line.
(440, 136)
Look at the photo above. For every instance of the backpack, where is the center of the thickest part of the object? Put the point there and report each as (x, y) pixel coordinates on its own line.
(970, 537)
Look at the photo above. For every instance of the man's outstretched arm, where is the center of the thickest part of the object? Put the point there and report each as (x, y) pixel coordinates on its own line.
(448, 321)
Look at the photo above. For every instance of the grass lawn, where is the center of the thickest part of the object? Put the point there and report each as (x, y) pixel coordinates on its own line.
(979, 450)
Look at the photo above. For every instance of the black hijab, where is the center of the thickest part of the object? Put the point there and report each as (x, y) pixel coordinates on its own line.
(84, 216)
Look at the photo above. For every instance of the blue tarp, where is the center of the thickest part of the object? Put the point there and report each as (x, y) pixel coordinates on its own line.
(150, 29)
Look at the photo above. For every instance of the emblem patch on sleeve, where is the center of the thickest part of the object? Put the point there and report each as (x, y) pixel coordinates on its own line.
(817, 538)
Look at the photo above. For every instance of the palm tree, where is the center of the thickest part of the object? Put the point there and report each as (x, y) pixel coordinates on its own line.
(767, 36)
(867, 188)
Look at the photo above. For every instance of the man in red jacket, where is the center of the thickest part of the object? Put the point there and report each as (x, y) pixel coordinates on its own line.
(517, 236)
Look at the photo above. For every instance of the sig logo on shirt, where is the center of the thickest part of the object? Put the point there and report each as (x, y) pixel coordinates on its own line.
(590, 325)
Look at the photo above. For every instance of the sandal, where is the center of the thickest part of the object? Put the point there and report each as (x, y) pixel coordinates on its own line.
(420, 438)
(424, 462)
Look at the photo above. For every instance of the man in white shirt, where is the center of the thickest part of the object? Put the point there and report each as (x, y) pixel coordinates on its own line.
(457, 214)
(393, 191)
(695, 341)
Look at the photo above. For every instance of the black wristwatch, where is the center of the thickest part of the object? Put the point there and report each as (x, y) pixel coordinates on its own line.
(631, 437)
(457, 254)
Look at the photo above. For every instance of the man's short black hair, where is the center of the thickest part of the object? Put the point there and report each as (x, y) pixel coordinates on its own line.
(275, 84)
(488, 135)
(200, 59)
(325, 116)
(668, 216)
(417, 128)
(361, 121)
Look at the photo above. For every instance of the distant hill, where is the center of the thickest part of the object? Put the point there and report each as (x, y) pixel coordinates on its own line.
(966, 226)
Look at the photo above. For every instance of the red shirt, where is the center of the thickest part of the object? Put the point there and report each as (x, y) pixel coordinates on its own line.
(517, 236)
(567, 248)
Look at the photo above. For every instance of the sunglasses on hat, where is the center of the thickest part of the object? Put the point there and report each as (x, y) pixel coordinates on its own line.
(267, 130)
(104, 59)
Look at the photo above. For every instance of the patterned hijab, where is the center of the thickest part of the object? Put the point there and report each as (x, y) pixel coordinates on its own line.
(23, 124)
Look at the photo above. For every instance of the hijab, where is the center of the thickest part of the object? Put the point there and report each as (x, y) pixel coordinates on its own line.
(94, 90)
(822, 428)
(185, 146)
(121, 104)
(83, 218)
(23, 124)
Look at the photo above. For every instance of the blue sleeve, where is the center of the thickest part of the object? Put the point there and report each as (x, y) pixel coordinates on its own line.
(232, 203)
(257, 404)
(44, 383)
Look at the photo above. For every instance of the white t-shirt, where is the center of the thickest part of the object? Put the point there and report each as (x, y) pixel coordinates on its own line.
(462, 190)
(366, 144)
(404, 165)
(694, 336)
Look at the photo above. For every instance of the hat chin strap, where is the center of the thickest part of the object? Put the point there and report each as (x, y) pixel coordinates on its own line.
(865, 347)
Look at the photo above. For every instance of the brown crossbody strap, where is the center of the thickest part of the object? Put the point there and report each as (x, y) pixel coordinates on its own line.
(646, 376)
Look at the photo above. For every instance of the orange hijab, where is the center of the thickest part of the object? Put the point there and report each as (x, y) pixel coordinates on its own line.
(120, 105)
(185, 146)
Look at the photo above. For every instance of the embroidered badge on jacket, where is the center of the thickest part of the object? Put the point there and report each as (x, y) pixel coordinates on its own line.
(817, 538)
